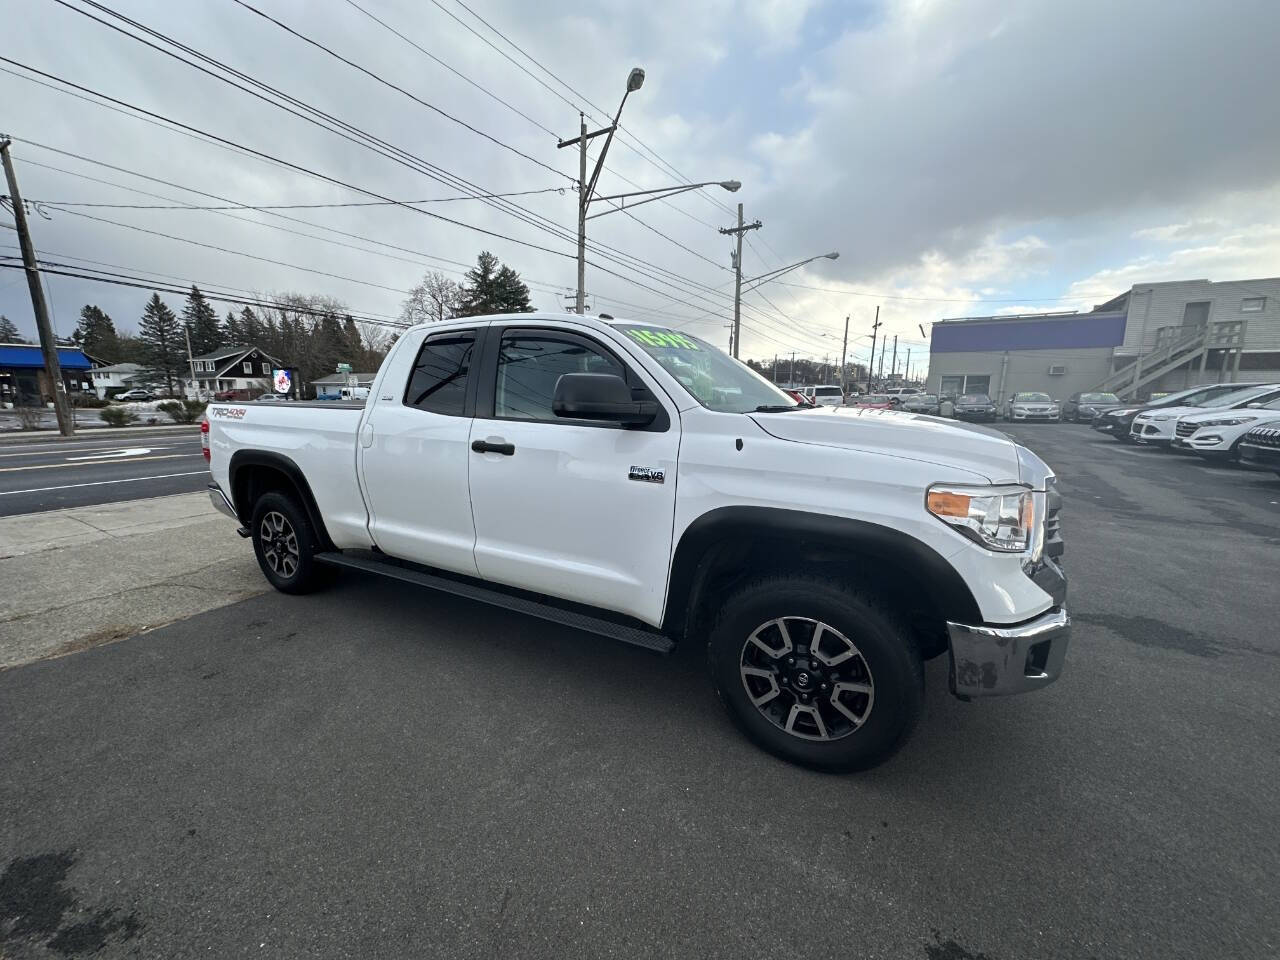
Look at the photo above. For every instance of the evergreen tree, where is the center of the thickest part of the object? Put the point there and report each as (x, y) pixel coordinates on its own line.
(96, 334)
(164, 354)
(492, 288)
(251, 329)
(231, 329)
(9, 331)
(354, 344)
(202, 323)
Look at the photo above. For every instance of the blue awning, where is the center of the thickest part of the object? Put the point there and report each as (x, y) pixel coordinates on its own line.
(30, 358)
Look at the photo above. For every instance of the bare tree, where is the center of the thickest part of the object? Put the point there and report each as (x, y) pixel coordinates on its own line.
(436, 298)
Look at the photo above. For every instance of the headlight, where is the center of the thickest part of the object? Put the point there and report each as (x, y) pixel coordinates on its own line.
(1160, 418)
(1121, 413)
(1225, 422)
(998, 518)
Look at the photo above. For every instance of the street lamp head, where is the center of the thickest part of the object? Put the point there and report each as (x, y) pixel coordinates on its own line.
(636, 80)
(834, 255)
(733, 186)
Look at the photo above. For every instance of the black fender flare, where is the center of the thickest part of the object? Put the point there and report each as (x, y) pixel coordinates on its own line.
(815, 532)
(279, 463)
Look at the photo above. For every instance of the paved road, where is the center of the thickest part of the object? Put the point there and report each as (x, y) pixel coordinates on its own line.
(128, 465)
(377, 771)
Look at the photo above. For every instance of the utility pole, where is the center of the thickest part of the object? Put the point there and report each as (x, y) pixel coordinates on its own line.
(844, 387)
(875, 328)
(775, 368)
(791, 371)
(48, 345)
(739, 230)
(883, 344)
(581, 297)
(893, 365)
(907, 377)
(191, 363)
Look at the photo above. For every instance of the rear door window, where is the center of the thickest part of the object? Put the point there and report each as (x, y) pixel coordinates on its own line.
(438, 382)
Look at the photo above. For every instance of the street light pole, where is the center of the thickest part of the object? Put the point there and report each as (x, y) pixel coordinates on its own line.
(580, 298)
(871, 367)
(738, 231)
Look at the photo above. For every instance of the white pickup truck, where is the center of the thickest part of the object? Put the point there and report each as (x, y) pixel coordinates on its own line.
(635, 482)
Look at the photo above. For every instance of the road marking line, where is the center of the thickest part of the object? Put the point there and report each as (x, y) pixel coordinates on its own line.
(99, 483)
(117, 452)
(94, 463)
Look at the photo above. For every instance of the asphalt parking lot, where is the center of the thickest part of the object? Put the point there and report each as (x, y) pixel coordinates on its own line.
(377, 771)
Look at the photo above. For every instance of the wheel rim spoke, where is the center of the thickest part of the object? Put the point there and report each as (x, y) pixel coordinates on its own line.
(279, 544)
(807, 678)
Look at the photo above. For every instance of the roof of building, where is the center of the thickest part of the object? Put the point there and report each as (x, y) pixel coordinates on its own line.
(222, 352)
(28, 357)
(1042, 331)
(226, 358)
(341, 378)
(119, 368)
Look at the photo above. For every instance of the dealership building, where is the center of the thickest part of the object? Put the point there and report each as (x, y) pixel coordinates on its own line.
(1154, 337)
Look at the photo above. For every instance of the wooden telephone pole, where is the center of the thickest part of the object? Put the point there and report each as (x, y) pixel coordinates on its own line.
(48, 345)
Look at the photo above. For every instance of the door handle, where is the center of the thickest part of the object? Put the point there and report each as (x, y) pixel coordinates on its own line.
(484, 446)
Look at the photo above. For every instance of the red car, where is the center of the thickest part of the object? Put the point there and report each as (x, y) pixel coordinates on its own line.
(875, 401)
(800, 398)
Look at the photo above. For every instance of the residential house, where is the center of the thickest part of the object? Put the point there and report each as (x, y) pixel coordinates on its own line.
(115, 376)
(330, 387)
(244, 368)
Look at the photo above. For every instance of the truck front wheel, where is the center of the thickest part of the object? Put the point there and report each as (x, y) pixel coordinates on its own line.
(285, 544)
(816, 673)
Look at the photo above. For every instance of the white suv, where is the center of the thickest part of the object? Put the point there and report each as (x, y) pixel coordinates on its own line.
(826, 396)
(1216, 434)
(1157, 426)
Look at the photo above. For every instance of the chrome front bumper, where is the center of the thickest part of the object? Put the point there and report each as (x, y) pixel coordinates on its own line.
(221, 502)
(989, 661)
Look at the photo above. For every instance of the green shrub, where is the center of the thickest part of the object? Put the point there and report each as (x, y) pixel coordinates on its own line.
(87, 400)
(182, 411)
(117, 416)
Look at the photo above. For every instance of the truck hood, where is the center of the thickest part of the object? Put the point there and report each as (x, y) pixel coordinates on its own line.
(897, 433)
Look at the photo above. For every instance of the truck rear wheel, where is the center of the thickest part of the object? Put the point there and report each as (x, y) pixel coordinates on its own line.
(285, 544)
(816, 673)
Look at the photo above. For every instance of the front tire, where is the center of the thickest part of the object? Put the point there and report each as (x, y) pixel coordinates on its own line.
(285, 544)
(816, 673)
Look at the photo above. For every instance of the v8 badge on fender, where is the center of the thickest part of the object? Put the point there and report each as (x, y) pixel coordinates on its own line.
(647, 474)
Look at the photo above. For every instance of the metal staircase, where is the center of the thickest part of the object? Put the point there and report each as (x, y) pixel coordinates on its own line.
(1175, 347)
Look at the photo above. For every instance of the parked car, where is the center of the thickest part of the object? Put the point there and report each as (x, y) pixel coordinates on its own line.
(1086, 406)
(876, 401)
(799, 397)
(1117, 422)
(270, 398)
(827, 395)
(137, 393)
(1216, 434)
(1032, 406)
(553, 444)
(903, 392)
(1260, 447)
(921, 403)
(975, 406)
(1157, 426)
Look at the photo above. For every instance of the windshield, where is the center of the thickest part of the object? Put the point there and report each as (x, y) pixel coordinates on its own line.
(974, 398)
(1236, 396)
(829, 392)
(1031, 398)
(712, 377)
(1099, 398)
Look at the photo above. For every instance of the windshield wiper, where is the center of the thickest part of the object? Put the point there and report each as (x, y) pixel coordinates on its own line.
(776, 408)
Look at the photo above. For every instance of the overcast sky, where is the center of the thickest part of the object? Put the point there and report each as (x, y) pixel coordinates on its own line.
(963, 157)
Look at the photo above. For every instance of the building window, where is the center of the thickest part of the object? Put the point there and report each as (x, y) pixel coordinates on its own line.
(960, 384)
(248, 366)
(266, 368)
(1253, 304)
(1196, 314)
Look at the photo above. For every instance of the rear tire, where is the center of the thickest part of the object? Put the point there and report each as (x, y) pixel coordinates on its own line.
(779, 638)
(285, 544)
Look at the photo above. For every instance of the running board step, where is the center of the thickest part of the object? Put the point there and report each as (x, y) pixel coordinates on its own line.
(636, 636)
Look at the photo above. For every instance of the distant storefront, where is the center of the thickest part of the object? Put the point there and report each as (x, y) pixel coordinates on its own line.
(24, 383)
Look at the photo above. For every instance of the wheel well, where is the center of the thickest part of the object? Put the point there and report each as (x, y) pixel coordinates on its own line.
(254, 474)
(715, 558)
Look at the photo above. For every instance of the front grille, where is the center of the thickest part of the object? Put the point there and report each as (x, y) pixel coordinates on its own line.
(1268, 436)
(1185, 430)
(1053, 545)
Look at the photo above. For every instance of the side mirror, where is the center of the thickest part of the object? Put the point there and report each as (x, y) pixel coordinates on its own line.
(601, 396)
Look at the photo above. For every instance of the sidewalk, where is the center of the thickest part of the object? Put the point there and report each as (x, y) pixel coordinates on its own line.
(74, 578)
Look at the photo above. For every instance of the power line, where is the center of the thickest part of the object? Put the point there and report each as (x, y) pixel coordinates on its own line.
(290, 206)
(427, 53)
(891, 296)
